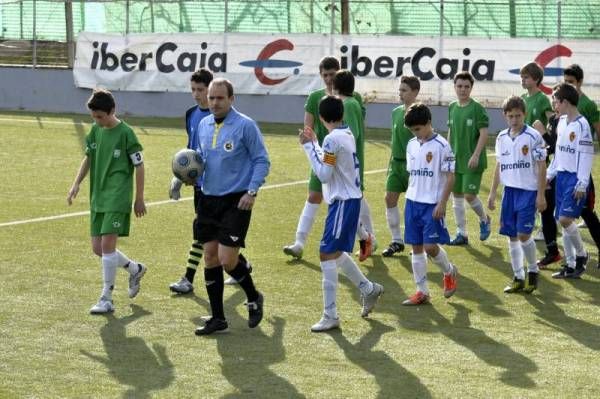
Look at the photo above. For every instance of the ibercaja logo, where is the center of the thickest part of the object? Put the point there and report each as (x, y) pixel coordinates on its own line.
(546, 57)
(264, 61)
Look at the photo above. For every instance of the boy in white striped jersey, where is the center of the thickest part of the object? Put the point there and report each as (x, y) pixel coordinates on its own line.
(337, 167)
(430, 164)
(571, 166)
(521, 167)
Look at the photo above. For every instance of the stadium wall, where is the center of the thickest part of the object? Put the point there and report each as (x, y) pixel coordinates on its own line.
(53, 90)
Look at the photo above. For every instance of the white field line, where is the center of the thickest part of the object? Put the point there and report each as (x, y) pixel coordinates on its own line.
(156, 203)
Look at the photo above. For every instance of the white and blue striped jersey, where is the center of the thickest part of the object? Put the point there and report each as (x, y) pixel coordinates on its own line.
(518, 157)
(574, 150)
(427, 164)
(336, 165)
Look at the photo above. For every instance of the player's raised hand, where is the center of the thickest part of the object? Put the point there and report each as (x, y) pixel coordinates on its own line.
(73, 191)
(306, 135)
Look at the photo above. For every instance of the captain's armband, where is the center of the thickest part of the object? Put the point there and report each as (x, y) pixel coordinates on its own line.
(136, 158)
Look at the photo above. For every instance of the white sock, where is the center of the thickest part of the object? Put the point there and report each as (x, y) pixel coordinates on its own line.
(442, 261)
(393, 220)
(529, 250)
(419, 267)
(458, 204)
(569, 249)
(351, 270)
(305, 223)
(576, 240)
(364, 217)
(125, 262)
(516, 259)
(109, 272)
(362, 232)
(477, 206)
(330, 282)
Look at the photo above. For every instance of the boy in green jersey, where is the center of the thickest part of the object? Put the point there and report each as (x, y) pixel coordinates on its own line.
(573, 74)
(467, 133)
(397, 178)
(354, 118)
(112, 153)
(327, 69)
(538, 107)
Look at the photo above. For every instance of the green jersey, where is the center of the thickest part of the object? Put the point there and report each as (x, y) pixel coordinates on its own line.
(353, 117)
(536, 107)
(312, 107)
(400, 134)
(464, 123)
(111, 168)
(589, 109)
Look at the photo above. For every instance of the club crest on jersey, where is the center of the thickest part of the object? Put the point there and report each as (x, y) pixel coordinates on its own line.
(228, 146)
(572, 136)
(469, 122)
(525, 150)
(429, 157)
(116, 153)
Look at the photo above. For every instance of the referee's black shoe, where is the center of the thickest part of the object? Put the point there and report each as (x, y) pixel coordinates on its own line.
(255, 311)
(212, 325)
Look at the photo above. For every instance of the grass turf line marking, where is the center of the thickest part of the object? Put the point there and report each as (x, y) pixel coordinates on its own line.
(156, 203)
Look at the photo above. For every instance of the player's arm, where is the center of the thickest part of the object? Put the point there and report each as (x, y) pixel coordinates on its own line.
(585, 159)
(539, 154)
(309, 120)
(481, 142)
(446, 168)
(139, 207)
(321, 161)
(83, 170)
(494, 188)
(539, 126)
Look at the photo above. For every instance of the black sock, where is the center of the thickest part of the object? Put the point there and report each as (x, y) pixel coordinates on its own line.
(552, 249)
(214, 287)
(244, 279)
(189, 274)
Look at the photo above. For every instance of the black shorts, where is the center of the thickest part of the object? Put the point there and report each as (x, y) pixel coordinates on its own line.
(219, 218)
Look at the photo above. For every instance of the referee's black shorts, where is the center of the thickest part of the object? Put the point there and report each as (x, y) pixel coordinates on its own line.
(219, 218)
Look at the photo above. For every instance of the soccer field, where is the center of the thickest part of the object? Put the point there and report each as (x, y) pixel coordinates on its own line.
(479, 343)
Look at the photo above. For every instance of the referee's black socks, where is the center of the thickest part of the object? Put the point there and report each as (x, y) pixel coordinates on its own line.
(213, 278)
(242, 275)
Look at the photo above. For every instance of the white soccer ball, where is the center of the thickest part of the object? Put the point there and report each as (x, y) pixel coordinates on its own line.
(187, 165)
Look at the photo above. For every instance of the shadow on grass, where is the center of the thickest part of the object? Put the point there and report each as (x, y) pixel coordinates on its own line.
(129, 359)
(553, 316)
(515, 366)
(247, 354)
(393, 379)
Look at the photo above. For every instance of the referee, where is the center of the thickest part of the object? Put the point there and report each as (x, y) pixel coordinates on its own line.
(235, 166)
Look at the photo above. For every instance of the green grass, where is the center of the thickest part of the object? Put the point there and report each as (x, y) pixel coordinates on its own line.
(480, 343)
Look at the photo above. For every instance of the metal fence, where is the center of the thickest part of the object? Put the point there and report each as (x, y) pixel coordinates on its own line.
(41, 32)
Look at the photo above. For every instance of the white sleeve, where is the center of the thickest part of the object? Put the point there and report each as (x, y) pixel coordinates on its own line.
(539, 152)
(497, 147)
(585, 158)
(448, 161)
(322, 160)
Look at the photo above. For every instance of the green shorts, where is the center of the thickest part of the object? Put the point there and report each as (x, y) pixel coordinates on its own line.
(109, 223)
(397, 176)
(314, 184)
(467, 183)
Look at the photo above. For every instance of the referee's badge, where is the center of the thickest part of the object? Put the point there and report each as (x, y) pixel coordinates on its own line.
(525, 150)
(429, 157)
(228, 146)
(572, 136)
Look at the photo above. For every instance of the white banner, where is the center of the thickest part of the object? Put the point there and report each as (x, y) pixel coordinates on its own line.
(288, 64)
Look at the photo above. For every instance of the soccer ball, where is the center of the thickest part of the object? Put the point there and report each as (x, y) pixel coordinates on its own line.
(187, 165)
